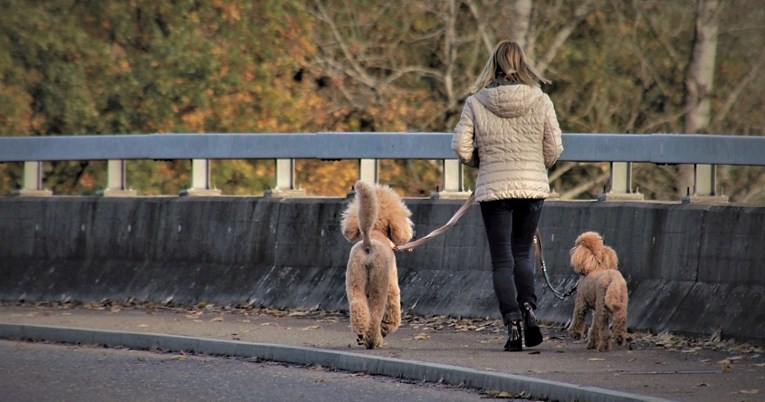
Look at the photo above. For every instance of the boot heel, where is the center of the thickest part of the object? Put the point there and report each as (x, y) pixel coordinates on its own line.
(514, 342)
(531, 331)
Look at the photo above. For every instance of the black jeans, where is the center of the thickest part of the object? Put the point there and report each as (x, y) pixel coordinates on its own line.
(510, 227)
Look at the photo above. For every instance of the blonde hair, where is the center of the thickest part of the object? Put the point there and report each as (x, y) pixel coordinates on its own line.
(508, 61)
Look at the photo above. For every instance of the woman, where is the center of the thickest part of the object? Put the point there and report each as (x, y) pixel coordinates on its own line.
(509, 131)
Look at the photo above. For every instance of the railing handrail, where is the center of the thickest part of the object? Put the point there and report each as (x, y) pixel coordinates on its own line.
(579, 147)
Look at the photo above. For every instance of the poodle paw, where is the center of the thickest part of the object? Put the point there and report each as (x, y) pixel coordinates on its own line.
(604, 348)
(575, 335)
(360, 340)
(373, 344)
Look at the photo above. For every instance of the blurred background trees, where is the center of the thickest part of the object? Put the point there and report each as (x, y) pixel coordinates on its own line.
(70, 67)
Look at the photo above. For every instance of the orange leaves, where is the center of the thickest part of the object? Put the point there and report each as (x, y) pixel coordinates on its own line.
(229, 11)
(327, 177)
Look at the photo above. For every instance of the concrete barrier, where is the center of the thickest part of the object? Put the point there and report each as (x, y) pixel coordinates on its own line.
(693, 269)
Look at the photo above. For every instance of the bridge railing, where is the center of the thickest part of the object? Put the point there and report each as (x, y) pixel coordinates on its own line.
(704, 152)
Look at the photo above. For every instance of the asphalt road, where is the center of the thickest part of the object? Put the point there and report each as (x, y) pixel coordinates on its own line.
(53, 372)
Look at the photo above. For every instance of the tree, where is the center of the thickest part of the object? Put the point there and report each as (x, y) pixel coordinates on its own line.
(89, 67)
(92, 67)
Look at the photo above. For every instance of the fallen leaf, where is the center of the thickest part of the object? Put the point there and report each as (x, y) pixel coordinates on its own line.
(217, 319)
(143, 326)
(275, 313)
(727, 365)
(421, 336)
(595, 359)
(311, 327)
(749, 391)
(297, 313)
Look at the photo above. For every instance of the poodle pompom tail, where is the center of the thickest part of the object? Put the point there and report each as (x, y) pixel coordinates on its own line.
(368, 210)
(615, 297)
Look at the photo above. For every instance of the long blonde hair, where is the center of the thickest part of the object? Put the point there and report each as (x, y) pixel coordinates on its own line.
(508, 61)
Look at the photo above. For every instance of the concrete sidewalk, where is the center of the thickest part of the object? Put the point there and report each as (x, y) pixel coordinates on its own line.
(660, 367)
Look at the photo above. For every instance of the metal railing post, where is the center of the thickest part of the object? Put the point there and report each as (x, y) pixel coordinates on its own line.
(368, 170)
(620, 184)
(704, 179)
(285, 180)
(116, 180)
(200, 180)
(32, 182)
(704, 183)
(453, 186)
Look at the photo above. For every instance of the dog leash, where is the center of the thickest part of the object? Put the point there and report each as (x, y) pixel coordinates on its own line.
(541, 262)
(457, 215)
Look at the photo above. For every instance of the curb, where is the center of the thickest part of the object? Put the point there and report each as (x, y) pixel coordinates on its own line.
(338, 360)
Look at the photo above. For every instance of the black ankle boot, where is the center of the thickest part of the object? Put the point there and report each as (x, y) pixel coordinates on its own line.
(531, 331)
(514, 342)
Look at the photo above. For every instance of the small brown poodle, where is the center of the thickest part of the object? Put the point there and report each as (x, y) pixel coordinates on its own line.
(377, 220)
(602, 289)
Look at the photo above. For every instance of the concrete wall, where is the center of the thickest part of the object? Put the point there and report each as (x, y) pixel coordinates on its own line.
(690, 268)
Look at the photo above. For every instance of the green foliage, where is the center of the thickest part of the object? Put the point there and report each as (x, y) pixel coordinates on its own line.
(70, 67)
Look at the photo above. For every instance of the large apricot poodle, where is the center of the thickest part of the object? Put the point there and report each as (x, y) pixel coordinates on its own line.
(602, 289)
(377, 220)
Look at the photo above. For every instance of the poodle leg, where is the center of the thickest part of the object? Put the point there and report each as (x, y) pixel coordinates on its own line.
(576, 328)
(378, 294)
(602, 338)
(392, 318)
(596, 328)
(616, 301)
(619, 324)
(359, 312)
(355, 286)
(593, 333)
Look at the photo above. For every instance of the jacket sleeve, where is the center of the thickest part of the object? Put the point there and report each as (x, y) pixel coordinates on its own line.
(463, 141)
(552, 146)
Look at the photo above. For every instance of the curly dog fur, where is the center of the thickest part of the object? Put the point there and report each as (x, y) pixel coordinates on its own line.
(377, 220)
(602, 289)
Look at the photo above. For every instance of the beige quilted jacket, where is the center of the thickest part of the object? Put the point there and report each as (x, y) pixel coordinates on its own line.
(511, 134)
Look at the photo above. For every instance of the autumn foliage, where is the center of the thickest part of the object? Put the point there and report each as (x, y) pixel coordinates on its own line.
(289, 66)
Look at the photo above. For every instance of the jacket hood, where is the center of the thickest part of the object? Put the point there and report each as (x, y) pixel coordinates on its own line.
(510, 100)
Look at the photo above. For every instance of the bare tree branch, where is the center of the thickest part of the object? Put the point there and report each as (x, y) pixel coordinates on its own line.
(741, 85)
(357, 72)
(581, 11)
(585, 186)
(486, 37)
